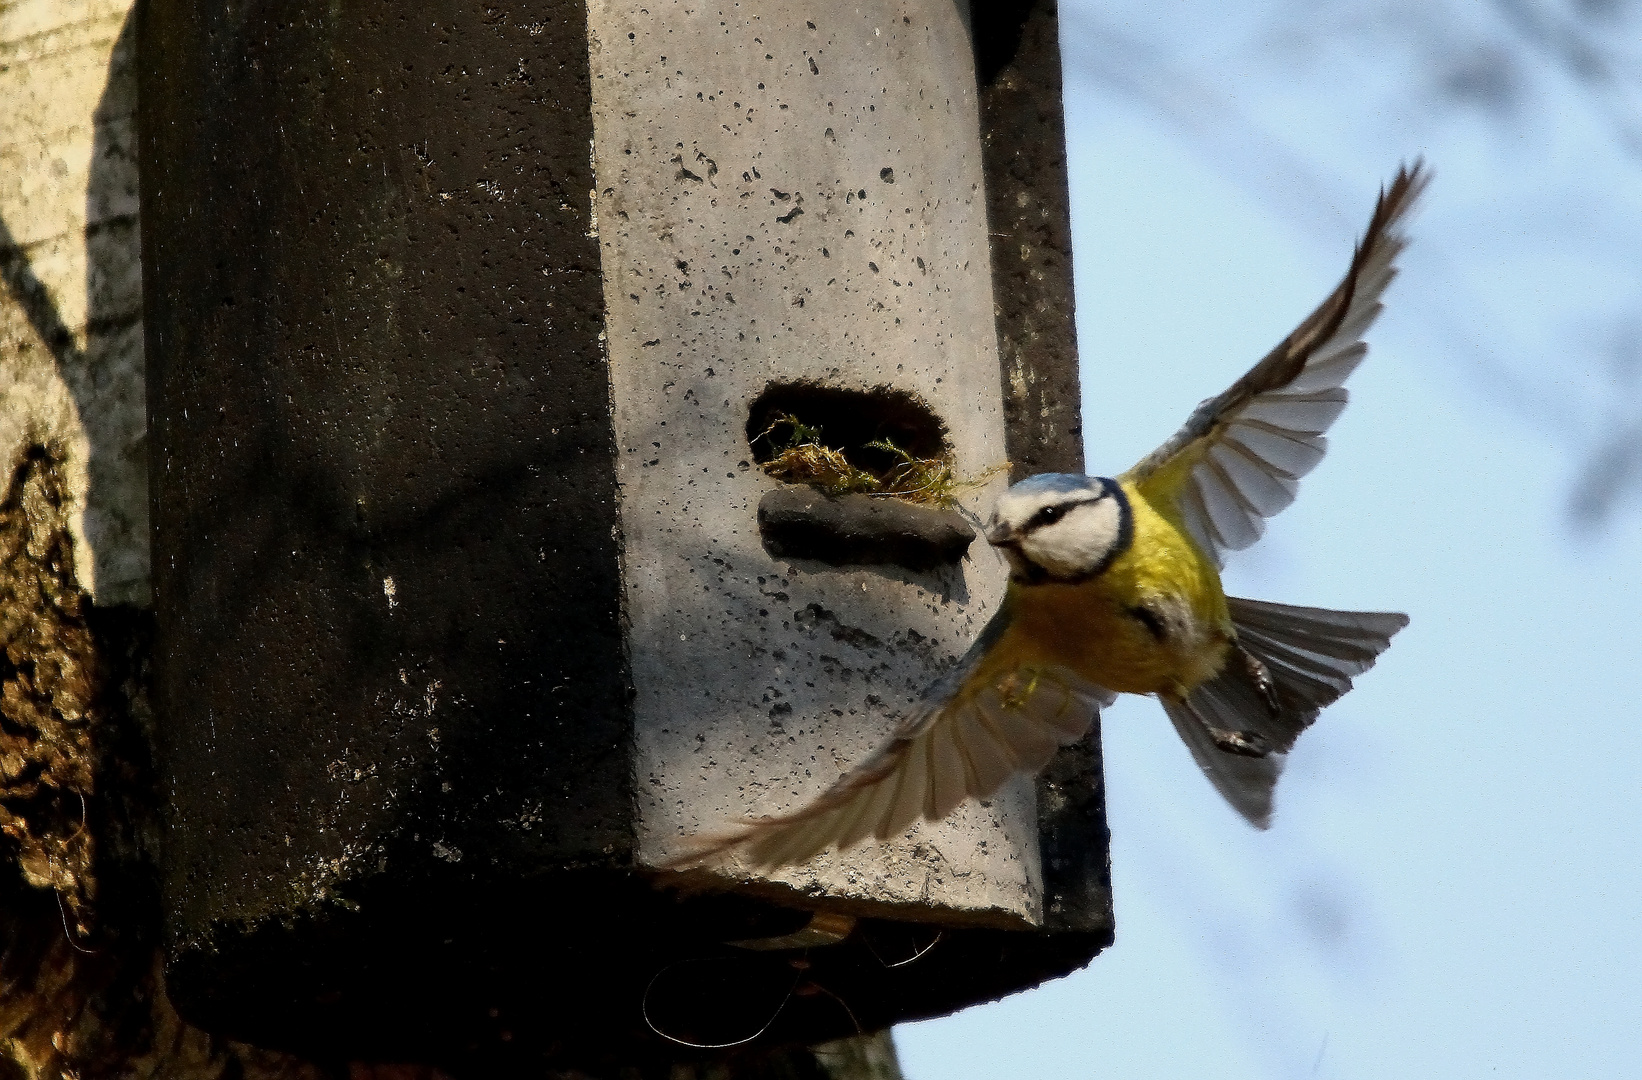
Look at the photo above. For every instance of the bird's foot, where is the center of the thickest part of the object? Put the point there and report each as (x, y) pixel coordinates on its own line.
(1262, 679)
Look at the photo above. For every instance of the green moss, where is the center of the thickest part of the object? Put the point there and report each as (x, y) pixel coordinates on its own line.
(802, 457)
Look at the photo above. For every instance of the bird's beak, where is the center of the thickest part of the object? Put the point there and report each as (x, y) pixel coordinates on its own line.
(999, 534)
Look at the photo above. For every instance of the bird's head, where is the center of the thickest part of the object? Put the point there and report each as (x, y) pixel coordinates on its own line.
(1062, 527)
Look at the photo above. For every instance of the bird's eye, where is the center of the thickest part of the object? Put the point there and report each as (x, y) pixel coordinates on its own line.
(1048, 515)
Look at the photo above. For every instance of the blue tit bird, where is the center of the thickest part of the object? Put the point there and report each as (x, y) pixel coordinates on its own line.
(1115, 588)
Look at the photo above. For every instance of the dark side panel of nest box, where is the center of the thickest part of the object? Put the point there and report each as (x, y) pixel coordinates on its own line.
(384, 486)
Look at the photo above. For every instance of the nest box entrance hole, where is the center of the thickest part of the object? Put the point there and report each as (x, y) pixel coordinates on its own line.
(876, 432)
(867, 477)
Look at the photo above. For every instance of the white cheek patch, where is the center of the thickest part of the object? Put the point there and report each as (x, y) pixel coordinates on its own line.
(1079, 543)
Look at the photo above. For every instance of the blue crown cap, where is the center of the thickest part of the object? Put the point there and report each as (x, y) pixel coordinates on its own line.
(1057, 483)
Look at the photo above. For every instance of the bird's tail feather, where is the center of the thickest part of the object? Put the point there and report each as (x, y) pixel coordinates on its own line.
(1287, 665)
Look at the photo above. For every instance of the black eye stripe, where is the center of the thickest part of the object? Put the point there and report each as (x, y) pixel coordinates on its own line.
(1048, 515)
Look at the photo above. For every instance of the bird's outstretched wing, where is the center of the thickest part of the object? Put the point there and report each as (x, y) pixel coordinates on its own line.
(993, 716)
(1240, 457)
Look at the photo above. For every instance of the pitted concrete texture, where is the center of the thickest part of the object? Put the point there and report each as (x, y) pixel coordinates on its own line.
(794, 191)
(71, 353)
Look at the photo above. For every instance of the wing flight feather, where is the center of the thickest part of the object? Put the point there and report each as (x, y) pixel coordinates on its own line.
(1275, 416)
(986, 721)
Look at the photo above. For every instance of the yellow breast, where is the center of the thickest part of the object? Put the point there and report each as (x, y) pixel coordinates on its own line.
(1154, 622)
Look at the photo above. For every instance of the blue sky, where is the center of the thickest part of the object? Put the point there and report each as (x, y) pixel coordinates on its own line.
(1451, 888)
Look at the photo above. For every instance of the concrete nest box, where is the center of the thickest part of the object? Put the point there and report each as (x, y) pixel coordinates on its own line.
(496, 360)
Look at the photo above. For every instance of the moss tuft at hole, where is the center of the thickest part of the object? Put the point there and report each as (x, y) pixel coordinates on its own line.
(801, 455)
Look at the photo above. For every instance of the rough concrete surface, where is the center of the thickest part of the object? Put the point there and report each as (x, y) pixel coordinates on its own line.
(386, 569)
(1023, 126)
(794, 191)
